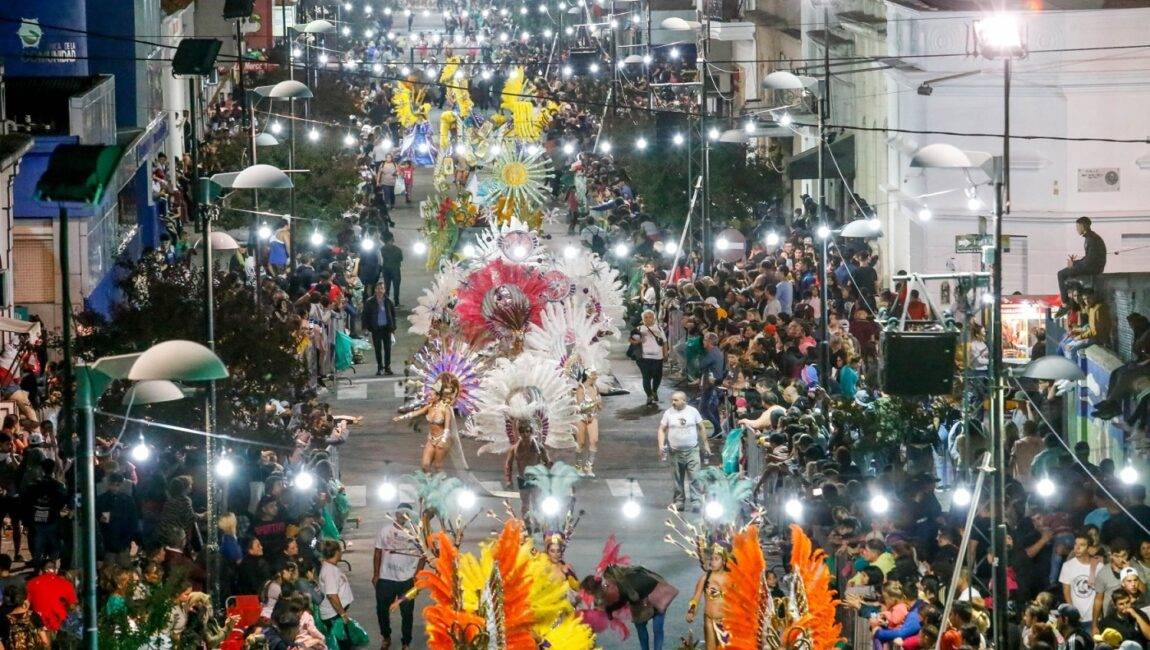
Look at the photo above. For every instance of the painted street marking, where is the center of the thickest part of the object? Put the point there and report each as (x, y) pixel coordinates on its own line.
(621, 487)
(356, 495)
(495, 488)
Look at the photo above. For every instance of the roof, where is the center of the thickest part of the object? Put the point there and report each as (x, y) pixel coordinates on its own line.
(12, 147)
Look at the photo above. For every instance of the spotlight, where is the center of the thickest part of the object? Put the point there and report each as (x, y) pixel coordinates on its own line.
(225, 467)
(641, 144)
(550, 506)
(722, 244)
(465, 499)
(1128, 475)
(879, 504)
(670, 248)
(772, 238)
(317, 239)
(924, 214)
(925, 89)
(304, 481)
(823, 232)
(621, 250)
(313, 135)
(367, 245)
(786, 120)
(1044, 488)
(631, 509)
(713, 510)
(140, 452)
(961, 497)
(570, 252)
(388, 491)
(677, 139)
(263, 232)
(794, 509)
(419, 248)
(349, 140)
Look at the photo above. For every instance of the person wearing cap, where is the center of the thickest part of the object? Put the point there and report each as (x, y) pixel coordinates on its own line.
(393, 567)
(1108, 578)
(1071, 627)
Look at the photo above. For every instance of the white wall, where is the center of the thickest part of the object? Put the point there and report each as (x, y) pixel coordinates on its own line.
(1099, 94)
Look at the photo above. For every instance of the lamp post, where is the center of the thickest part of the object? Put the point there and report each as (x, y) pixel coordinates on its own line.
(291, 90)
(999, 36)
(702, 27)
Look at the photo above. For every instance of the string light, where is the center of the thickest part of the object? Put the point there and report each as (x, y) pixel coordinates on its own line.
(263, 232)
(961, 497)
(794, 509)
(276, 128)
(677, 139)
(1045, 487)
(772, 238)
(550, 506)
(924, 214)
(605, 146)
(879, 504)
(141, 452)
(1128, 474)
(317, 239)
(713, 133)
(713, 510)
(465, 499)
(641, 143)
(322, 58)
(419, 247)
(225, 467)
(304, 481)
(631, 509)
(313, 134)
(388, 491)
(593, 68)
(670, 248)
(785, 119)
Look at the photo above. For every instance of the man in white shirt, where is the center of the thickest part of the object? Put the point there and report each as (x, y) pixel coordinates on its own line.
(681, 434)
(396, 561)
(335, 587)
(1077, 579)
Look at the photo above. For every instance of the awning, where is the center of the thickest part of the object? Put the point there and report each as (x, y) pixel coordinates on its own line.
(17, 326)
(806, 164)
(79, 172)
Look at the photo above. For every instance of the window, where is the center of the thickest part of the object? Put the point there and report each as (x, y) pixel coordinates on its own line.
(34, 263)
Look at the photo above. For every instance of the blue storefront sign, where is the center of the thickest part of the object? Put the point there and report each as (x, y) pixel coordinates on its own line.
(39, 38)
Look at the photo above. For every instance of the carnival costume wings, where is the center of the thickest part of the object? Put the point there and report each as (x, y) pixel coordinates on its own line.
(527, 390)
(504, 599)
(442, 361)
(527, 120)
(434, 307)
(569, 336)
(598, 286)
(500, 300)
(754, 620)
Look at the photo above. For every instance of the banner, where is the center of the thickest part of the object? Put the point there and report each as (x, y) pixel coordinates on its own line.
(40, 38)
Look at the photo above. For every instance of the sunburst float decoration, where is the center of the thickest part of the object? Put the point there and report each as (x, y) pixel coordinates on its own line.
(519, 179)
(513, 241)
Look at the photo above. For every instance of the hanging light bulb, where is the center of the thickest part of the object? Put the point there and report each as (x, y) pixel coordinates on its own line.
(677, 139)
(313, 134)
(772, 238)
(605, 146)
(570, 252)
(349, 140)
(647, 59)
(1044, 487)
(276, 128)
(264, 232)
(786, 120)
(419, 247)
(465, 499)
(749, 127)
(141, 452)
(322, 58)
(317, 239)
(670, 248)
(550, 506)
(961, 497)
(794, 509)
(388, 491)
(304, 481)
(631, 509)
(1128, 474)
(568, 148)
(924, 214)
(225, 467)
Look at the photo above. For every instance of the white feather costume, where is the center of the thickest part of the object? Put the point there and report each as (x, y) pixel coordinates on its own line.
(569, 337)
(528, 388)
(598, 286)
(513, 241)
(436, 302)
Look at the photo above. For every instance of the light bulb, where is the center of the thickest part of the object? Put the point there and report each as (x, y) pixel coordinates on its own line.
(677, 139)
(419, 248)
(974, 204)
(486, 74)
(313, 135)
(641, 143)
(647, 59)
(367, 245)
(924, 214)
(879, 504)
(346, 31)
(614, 23)
(369, 33)
(794, 509)
(225, 467)
(713, 133)
(570, 252)
(468, 250)
(322, 58)
(532, 149)
(547, 33)
(988, 298)
(388, 491)
(961, 497)
(593, 68)
(376, 68)
(1044, 488)
(605, 146)
(542, 9)
(550, 506)
(523, 11)
(772, 238)
(387, 11)
(786, 120)
(424, 147)
(405, 71)
(749, 127)
(823, 232)
(568, 148)
(567, 71)
(621, 65)
(569, 30)
(670, 248)
(631, 509)
(141, 453)
(276, 128)
(674, 52)
(722, 244)
(714, 510)
(1128, 475)
(503, 37)
(386, 144)
(317, 238)
(349, 140)
(621, 249)
(519, 252)
(465, 499)
(264, 232)
(304, 481)
(347, 6)
(296, 53)
(495, 150)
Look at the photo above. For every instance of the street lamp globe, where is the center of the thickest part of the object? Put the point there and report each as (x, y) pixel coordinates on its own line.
(388, 491)
(631, 509)
(714, 510)
(225, 467)
(550, 506)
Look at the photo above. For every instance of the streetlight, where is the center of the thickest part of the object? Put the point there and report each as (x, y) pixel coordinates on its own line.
(879, 504)
(1045, 487)
(793, 508)
(225, 467)
(465, 499)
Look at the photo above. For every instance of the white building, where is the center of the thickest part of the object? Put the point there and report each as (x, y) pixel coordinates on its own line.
(1100, 93)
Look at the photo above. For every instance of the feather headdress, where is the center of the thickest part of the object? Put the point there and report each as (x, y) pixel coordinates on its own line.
(569, 337)
(598, 286)
(435, 305)
(526, 390)
(500, 300)
(441, 361)
(513, 242)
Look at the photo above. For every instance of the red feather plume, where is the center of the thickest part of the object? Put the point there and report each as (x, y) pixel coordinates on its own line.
(445, 617)
(504, 318)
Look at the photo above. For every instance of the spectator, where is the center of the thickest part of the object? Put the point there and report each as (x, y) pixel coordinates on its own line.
(652, 344)
(380, 321)
(392, 265)
(1093, 261)
(335, 588)
(394, 565)
(680, 437)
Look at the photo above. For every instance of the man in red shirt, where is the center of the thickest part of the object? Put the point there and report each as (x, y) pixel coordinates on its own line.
(51, 596)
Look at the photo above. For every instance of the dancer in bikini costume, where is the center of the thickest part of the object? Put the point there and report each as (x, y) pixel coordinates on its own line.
(710, 589)
(440, 413)
(587, 432)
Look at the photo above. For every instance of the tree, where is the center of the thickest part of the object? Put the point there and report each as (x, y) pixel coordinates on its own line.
(163, 302)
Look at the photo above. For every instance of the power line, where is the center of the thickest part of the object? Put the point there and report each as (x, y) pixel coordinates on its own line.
(962, 134)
